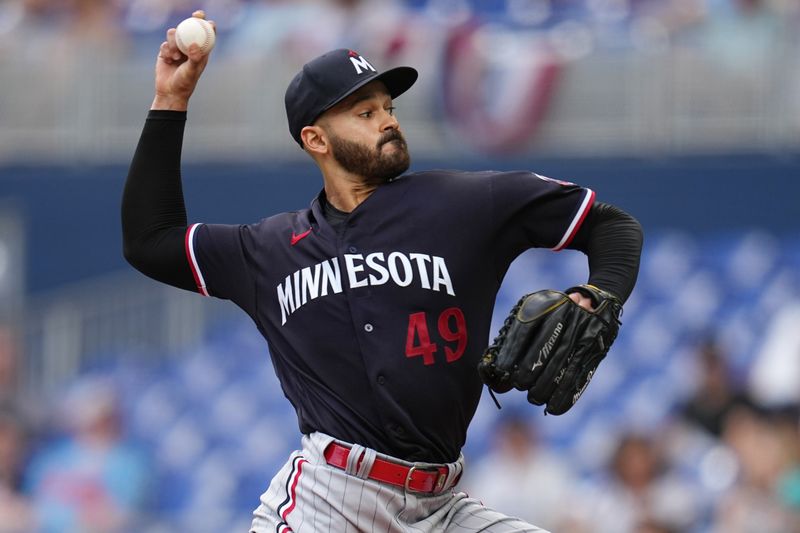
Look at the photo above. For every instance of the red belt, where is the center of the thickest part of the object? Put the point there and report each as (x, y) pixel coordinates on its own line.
(411, 478)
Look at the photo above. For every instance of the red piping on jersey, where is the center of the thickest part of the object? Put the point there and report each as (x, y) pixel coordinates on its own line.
(293, 489)
(581, 218)
(189, 248)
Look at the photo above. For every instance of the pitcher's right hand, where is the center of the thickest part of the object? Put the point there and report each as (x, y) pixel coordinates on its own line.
(176, 73)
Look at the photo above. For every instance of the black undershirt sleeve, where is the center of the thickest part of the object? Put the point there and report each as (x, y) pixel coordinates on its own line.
(612, 240)
(153, 211)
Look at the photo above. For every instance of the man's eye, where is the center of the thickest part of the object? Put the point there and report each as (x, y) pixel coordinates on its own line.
(366, 114)
(391, 110)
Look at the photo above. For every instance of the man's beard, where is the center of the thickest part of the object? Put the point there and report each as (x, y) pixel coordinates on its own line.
(371, 163)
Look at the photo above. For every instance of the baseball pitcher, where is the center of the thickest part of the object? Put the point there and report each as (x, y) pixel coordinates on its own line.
(376, 300)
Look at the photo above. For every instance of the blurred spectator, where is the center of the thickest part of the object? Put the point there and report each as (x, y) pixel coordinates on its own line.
(97, 23)
(775, 375)
(40, 30)
(651, 526)
(753, 505)
(716, 394)
(741, 34)
(671, 20)
(16, 512)
(376, 28)
(142, 16)
(93, 480)
(29, 28)
(13, 396)
(640, 493)
(787, 426)
(521, 476)
(9, 384)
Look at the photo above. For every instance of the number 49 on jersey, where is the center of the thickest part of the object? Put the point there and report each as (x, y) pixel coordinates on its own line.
(452, 329)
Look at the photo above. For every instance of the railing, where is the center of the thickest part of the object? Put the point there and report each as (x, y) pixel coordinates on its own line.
(78, 326)
(91, 109)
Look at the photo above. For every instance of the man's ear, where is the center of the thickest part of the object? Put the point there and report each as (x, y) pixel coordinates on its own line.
(314, 139)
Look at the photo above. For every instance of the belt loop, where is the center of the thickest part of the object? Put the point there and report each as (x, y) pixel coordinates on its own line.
(366, 464)
(356, 451)
(454, 471)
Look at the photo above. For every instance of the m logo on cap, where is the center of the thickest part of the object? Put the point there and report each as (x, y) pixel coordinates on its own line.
(360, 63)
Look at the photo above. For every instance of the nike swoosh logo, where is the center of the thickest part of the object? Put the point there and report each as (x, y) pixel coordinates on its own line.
(298, 238)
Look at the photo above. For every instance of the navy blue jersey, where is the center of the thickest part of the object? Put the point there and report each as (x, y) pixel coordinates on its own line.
(375, 330)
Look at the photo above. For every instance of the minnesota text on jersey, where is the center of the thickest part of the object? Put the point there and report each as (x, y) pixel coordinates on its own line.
(376, 268)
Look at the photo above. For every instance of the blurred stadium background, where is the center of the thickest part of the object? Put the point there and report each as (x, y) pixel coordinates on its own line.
(128, 406)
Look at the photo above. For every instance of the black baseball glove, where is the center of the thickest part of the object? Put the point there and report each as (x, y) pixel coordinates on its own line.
(551, 347)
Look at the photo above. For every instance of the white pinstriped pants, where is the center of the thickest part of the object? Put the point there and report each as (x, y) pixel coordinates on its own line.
(310, 496)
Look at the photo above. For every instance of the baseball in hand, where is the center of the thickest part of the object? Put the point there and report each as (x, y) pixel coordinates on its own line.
(195, 30)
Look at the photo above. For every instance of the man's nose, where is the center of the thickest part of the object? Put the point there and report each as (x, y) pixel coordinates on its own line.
(391, 123)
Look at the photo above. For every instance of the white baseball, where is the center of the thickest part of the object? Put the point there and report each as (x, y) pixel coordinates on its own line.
(195, 30)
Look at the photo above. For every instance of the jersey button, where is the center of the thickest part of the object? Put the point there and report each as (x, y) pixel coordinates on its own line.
(352, 249)
(368, 328)
(381, 380)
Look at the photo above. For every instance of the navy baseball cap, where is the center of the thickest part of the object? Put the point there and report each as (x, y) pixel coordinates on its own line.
(332, 77)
